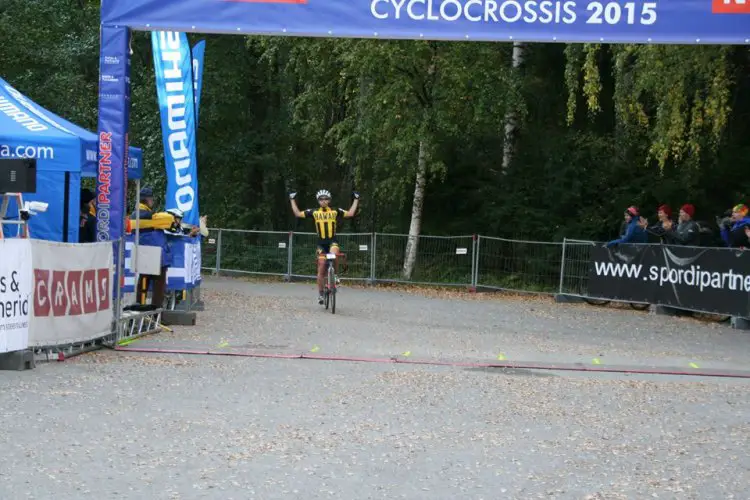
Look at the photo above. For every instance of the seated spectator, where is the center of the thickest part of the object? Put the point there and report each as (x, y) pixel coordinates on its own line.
(633, 232)
(687, 231)
(179, 227)
(664, 215)
(733, 228)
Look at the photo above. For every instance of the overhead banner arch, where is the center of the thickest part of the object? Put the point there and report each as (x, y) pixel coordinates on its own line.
(615, 21)
(597, 21)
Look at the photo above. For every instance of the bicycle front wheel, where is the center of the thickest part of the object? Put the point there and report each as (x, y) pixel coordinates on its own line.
(332, 288)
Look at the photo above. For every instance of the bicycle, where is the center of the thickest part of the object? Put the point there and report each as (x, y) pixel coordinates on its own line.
(331, 285)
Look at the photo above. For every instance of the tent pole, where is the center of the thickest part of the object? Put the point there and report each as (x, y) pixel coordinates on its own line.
(137, 229)
(66, 208)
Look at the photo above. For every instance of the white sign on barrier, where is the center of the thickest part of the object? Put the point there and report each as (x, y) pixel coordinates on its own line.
(15, 294)
(72, 300)
(462, 251)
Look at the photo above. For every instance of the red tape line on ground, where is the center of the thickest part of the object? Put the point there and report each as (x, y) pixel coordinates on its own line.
(458, 364)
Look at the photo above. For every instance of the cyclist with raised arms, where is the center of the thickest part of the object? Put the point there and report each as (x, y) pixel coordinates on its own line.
(326, 219)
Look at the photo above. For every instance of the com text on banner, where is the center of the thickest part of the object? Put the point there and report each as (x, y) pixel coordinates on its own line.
(72, 299)
(174, 86)
(15, 294)
(702, 279)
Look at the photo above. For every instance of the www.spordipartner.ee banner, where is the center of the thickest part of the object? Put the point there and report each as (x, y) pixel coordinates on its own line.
(173, 66)
(703, 279)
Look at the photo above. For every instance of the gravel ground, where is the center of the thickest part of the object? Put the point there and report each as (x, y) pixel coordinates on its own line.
(451, 326)
(126, 425)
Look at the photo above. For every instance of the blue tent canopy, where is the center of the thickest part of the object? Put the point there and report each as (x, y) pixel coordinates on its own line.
(64, 152)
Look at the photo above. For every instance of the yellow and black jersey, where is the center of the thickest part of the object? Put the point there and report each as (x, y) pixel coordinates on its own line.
(325, 220)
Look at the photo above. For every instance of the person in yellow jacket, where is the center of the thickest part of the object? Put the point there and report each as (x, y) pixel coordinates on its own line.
(151, 227)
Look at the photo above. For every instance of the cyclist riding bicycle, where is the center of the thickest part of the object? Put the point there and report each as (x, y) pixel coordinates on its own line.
(326, 220)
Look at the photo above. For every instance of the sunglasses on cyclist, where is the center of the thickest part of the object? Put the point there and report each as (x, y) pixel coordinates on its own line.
(324, 198)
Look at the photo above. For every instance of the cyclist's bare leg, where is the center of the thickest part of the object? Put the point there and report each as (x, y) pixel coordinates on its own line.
(321, 272)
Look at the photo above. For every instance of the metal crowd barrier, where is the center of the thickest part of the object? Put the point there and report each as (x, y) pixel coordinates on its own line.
(475, 262)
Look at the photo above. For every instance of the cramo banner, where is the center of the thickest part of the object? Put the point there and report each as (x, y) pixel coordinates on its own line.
(174, 85)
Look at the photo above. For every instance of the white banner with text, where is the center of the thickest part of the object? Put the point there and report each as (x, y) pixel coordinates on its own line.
(72, 299)
(15, 294)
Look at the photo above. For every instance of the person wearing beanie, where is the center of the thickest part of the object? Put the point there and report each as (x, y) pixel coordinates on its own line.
(733, 228)
(87, 227)
(634, 233)
(687, 232)
(664, 215)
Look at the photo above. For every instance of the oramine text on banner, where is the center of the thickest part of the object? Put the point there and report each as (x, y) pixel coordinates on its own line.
(173, 66)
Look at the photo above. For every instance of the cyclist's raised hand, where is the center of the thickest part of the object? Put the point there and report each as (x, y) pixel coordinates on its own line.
(292, 195)
(355, 194)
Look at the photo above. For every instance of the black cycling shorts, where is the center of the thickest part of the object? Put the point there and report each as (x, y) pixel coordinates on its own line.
(325, 246)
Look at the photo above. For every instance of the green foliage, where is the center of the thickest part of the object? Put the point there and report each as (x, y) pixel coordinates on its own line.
(600, 127)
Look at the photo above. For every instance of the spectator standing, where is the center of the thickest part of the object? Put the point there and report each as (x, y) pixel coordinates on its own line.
(634, 233)
(687, 231)
(664, 215)
(151, 227)
(87, 228)
(733, 228)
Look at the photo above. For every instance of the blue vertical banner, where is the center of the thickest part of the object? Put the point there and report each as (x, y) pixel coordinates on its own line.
(174, 86)
(199, 51)
(114, 109)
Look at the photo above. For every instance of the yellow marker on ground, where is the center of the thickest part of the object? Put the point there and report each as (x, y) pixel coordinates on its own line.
(694, 365)
(501, 357)
(315, 349)
(596, 361)
(407, 354)
(223, 344)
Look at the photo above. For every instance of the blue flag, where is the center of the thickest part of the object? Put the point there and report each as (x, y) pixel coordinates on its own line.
(198, 52)
(174, 86)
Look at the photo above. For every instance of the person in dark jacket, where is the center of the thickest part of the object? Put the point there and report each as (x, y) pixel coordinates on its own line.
(87, 227)
(733, 228)
(664, 215)
(634, 233)
(687, 231)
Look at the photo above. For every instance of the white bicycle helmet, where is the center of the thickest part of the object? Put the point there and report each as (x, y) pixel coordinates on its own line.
(176, 212)
(322, 193)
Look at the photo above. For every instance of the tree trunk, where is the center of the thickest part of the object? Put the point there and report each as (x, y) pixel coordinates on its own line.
(511, 119)
(416, 213)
